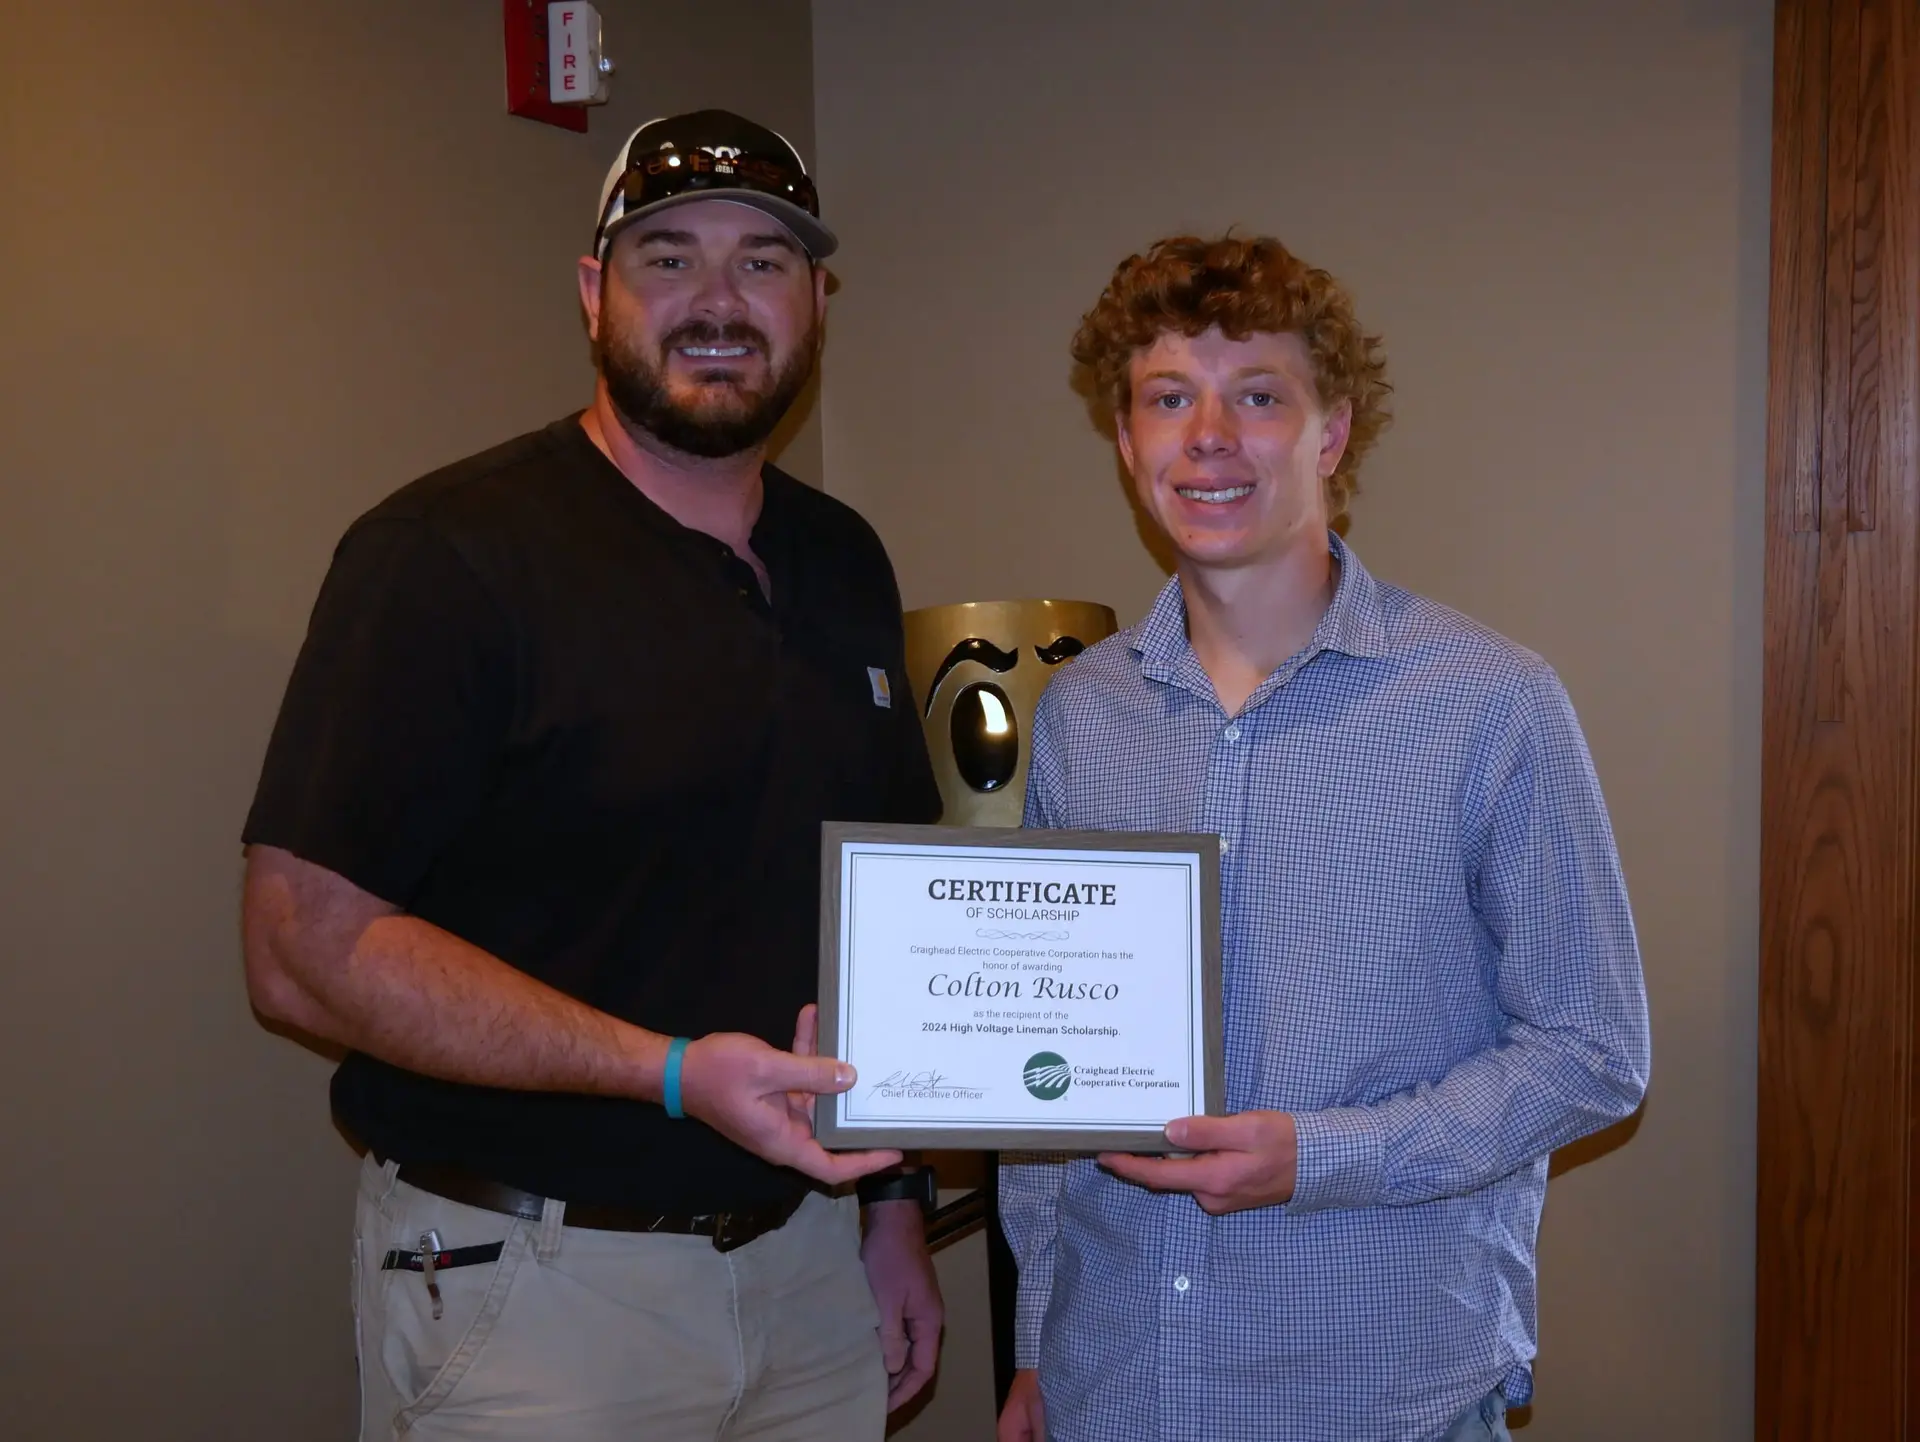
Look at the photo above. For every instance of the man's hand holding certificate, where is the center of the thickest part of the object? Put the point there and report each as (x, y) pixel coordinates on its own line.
(1245, 1161)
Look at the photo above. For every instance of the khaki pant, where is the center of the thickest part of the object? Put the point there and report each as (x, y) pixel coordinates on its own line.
(586, 1336)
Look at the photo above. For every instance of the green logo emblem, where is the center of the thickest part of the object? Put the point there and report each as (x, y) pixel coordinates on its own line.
(1047, 1076)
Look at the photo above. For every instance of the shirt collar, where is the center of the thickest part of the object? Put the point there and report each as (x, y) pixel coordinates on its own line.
(1354, 623)
(776, 501)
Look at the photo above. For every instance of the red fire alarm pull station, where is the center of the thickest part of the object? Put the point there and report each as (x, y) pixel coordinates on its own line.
(555, 67)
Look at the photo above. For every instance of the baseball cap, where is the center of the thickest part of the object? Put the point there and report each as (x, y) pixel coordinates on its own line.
(710, 155)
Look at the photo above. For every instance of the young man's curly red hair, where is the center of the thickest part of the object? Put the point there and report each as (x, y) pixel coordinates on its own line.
(1242, 285)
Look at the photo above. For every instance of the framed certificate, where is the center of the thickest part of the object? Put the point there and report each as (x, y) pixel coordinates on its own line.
(1016, 990)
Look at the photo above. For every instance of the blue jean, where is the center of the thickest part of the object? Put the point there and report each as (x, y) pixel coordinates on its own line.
(1484, 1421)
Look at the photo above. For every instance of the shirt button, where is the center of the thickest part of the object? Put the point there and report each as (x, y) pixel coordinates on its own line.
(1233, 732)
(1180, 1284)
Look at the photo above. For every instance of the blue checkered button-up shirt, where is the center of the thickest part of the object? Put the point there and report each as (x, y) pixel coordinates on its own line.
(1429, 962)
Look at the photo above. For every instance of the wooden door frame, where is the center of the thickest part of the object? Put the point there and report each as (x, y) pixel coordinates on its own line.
(1836, 1276)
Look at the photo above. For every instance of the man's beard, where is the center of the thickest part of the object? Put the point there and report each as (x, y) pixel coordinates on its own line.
(737, 420)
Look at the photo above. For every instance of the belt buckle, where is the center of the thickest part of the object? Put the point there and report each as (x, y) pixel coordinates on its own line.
(730, 1230)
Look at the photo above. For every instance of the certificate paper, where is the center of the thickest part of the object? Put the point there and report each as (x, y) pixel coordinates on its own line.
(1018, 990)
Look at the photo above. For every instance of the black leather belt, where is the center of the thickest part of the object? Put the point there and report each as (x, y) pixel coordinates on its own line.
(727, 1229)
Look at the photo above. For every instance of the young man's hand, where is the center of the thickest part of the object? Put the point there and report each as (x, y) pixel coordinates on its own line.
(1247, 1160)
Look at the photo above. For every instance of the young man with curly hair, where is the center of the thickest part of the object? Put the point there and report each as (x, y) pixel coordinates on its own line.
(1432, 979)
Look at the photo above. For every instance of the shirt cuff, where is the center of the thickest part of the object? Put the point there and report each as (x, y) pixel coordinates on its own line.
(1341, 1153)
(1030, 1312)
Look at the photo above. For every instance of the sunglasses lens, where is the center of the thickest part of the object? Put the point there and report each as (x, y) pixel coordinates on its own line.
(665, 174)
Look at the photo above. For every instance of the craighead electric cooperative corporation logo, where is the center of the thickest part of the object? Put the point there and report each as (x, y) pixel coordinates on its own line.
(1047, 1076)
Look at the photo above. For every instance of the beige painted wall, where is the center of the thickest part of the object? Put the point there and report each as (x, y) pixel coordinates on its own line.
(1557, 214)
(278, 260)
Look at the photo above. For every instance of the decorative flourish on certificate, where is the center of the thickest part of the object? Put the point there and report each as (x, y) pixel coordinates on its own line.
(987, 933)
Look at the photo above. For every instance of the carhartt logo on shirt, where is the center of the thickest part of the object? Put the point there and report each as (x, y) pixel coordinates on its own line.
(882, 692)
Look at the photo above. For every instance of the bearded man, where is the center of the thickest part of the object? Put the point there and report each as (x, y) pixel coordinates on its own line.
(536, 843)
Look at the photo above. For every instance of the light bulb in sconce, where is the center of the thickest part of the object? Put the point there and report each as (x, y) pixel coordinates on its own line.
(994, 714)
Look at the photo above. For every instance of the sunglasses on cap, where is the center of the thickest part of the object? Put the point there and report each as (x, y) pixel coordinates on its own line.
(670, 174)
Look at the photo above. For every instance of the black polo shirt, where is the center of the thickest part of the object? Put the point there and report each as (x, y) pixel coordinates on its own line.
(535, 710)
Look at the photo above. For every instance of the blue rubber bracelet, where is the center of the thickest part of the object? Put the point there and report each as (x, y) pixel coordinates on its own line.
(670, 1081)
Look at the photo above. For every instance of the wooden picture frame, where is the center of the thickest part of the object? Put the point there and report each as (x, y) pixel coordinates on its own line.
(1205, 849)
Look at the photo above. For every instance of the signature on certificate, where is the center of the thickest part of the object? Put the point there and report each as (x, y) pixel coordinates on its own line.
(925, 1083)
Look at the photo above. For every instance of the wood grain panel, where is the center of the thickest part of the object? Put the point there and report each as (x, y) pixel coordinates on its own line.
(1899, 451)
(1799, 250)
(1836, 1271)
(1867, 175)
(1836, 315)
